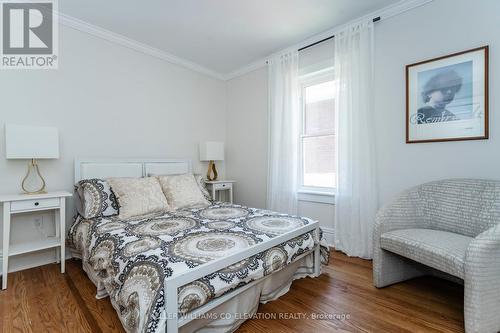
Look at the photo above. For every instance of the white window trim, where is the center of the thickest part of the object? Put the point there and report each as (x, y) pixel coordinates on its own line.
(325, 197)
(312, 193)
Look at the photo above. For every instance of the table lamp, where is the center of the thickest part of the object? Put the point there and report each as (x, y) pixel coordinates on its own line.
(211, 151)
(31, 143)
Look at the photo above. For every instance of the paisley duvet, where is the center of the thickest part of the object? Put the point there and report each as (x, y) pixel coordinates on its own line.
(129, 259)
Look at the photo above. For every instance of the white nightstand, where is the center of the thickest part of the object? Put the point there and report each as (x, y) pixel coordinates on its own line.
(220, 185)
(24, 203)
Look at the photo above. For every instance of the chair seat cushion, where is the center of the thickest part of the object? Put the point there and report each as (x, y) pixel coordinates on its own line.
(441, 250)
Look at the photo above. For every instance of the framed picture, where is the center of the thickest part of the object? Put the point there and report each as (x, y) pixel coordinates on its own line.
(447, 98)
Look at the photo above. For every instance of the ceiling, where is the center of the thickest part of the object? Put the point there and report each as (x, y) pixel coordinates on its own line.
(219, 35)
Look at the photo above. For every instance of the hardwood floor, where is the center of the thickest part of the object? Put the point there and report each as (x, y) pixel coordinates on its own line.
(43, 300)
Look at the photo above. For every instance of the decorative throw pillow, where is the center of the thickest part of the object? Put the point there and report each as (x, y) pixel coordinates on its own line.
(138, 196)
(182, 191)
(199, 180)
(203, 188)
(96, 199)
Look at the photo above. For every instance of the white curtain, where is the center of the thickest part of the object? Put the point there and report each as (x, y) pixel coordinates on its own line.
(356, 198)
(283, 133)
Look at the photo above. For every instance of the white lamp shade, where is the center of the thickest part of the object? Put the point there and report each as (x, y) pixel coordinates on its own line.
(212, 151)
(27, 142)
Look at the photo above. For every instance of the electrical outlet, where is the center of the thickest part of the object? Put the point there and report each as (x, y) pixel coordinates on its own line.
(38, 221)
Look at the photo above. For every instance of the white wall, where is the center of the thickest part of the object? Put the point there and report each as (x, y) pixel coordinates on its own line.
(322, 212)
(107, 101)
(438, 28)
(246, 147)
(246, 157)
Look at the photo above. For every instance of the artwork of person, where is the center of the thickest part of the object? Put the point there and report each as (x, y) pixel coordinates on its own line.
(438, 92)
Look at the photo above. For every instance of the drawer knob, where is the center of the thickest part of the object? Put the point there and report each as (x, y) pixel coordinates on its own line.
(223, 185)
(37, 203)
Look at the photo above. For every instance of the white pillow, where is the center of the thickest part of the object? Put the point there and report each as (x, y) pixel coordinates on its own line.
(182, 191)
(203, 187)
(138, 196)
(199, 180)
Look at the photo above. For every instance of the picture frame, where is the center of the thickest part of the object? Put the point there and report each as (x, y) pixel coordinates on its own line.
(447, 98)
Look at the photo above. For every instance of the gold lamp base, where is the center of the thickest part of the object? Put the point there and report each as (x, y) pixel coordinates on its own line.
(33, 167)
(212, 171)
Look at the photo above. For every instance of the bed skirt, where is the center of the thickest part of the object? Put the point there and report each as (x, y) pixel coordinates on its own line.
(228, 316)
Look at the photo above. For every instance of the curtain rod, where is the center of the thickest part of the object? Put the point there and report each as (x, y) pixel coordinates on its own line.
(328, 38)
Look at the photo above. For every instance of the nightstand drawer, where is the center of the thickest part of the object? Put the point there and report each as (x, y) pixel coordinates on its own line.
(34, 204)
(223, 186)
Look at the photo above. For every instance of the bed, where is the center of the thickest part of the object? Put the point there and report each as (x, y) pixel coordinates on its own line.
(194, 269)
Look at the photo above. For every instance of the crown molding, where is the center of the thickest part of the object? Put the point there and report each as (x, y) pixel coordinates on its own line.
(132, 44)
(246, 69)
(77, 24)
(384, 13)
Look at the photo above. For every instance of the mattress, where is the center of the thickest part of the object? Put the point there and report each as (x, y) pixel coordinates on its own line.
(128, 260)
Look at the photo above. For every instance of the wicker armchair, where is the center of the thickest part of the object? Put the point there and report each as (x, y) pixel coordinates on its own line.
(451, 227)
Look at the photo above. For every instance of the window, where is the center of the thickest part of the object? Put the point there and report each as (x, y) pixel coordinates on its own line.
(317, 138)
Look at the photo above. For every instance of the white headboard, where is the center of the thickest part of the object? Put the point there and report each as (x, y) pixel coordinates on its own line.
(131, 167)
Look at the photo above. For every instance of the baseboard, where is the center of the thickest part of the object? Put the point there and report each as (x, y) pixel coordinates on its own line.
(328, 235)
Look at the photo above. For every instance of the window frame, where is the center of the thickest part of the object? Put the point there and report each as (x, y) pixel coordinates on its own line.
(304, 82)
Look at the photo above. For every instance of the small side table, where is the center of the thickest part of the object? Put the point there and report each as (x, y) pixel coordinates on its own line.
(215, 186)
(26, 203)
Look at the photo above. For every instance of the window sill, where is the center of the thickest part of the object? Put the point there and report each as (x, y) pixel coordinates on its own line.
(325, 197)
